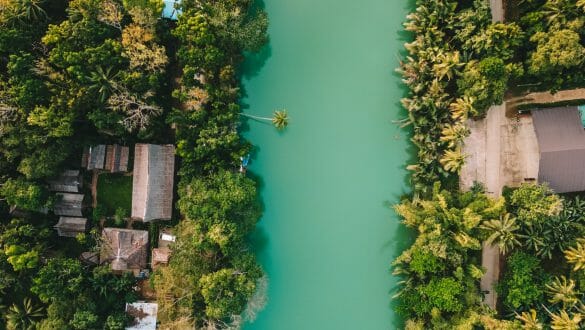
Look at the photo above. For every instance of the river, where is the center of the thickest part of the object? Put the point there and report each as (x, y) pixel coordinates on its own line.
(328, 236)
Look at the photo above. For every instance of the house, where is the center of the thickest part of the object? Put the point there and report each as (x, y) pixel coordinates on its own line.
(143, 315)
(69, 181)
(153, 182)
(71, 226)
(124, 249)
(116, 158)
(69, 204)
(561, 142)
(96, 156)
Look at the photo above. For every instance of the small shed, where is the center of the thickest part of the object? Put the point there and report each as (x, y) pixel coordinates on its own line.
(96, 157)
(69, 205)
(117, 158)
(153, 182)
(561, 143)
(143, 314)
(71, 226)
(69, 181)
(124, 249)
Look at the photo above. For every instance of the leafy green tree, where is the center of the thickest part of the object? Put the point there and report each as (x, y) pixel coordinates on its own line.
(555, 52)
(226, 199)
(60, 280)
(20, 258)
(532, 203)
(24, 194)
(84, 320)
(226, 292)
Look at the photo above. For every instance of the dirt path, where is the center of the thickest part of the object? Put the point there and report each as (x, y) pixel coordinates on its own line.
(547, 97)
(94, 183)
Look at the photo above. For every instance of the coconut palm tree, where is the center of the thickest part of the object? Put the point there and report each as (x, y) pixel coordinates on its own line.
(454, 134)
(103, 82)
(576, 255)
(453, 160)
(32, 10)
(563, 321)
(462, 108)
(23, 317)
(562, 291)
(502, 233)
(279, 118)
(530, 320)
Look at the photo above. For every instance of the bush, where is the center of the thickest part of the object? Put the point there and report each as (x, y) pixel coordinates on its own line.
(523, 283)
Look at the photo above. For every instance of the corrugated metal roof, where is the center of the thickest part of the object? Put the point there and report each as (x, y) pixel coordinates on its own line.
(152, 186)
(561, 140)
(144, 315)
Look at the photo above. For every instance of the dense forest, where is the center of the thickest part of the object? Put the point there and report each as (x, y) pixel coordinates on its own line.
(82, 72)
(457, 65)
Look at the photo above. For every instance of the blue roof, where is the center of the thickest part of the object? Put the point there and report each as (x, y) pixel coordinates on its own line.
(169, 10)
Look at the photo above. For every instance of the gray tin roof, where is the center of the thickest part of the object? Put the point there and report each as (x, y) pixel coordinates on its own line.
(561, 140)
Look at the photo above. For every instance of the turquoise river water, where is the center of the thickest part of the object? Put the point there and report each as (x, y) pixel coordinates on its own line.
(327, 236)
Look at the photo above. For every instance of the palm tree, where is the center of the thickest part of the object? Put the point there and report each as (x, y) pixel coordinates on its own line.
(562, 291)
(462, 108)
(453, 160)
(103, 81)
(32, 10)
(279, 118)
(454, 134)
(563, 321)
(576, 255)
(502, 233)
(530, 320)
(23, 317)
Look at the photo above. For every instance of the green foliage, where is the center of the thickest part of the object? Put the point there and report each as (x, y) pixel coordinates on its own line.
(24, 194)
(20, 258)
(60, 280)
(523, 282)
(441, 273)
(533, 203)
(84, 320)
(226, 292)
(114, 193)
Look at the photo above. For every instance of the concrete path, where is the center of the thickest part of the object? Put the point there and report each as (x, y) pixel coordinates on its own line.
(500, 151)
(497, 8)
